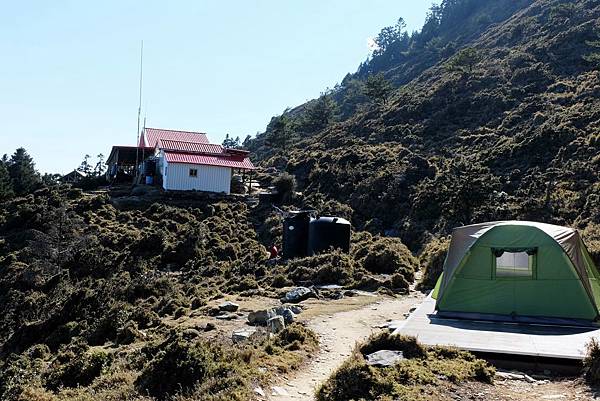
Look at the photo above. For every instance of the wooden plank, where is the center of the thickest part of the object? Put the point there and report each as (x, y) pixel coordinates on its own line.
(497, 337)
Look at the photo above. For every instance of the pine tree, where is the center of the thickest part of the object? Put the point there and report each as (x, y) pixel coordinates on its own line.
(6, 188)
(281, 133)
(464, 60)
(100, 167)
(85, 166)
(319, 113)
(230, 142)
(21, 168)
(247, 141)
(377, 88)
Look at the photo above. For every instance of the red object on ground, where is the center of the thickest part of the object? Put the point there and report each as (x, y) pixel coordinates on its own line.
(274, 252)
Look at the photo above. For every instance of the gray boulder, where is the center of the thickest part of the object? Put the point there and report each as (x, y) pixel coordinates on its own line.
(296, 309)
(298, 294)
(384, 358)
(288, 316)
(244, 334)
(228, 307)
(260, 317)
(276, 324)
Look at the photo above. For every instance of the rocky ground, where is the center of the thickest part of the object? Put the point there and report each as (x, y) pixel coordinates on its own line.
(567, 389)
(341, 324)
(338, 334)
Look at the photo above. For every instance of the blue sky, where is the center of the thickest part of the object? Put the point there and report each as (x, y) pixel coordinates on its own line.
(69, 71)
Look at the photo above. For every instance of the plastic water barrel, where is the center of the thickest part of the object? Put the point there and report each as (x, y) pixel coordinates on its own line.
(295, 235)
(328, 232)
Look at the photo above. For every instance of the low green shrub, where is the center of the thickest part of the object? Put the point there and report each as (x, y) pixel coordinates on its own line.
(385, 340)
(591, 362)
(179, 366)
(334, 267)
(381, 255)
(296, 333)
(285, 185)
(280, 281)
(432, 261)
(423, 366)
(80, 371)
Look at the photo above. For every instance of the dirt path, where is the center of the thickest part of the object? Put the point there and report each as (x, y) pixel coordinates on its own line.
(338, 333)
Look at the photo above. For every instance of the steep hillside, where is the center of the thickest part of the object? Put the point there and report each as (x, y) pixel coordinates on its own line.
(505, 127)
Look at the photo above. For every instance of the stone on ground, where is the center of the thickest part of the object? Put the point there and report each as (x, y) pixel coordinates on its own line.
(245, 334)
(279, 391)
(296, 309)
(276, 324)
(228, 306)
(384, 358)
(260, 317)
(227, 316)
(298, 294)
(288, 316)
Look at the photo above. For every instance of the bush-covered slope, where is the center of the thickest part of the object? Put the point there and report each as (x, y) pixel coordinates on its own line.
(97, 300)
(506, 127)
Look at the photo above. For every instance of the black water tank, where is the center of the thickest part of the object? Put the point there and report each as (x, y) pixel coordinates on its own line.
(328, 232)
(295, 234)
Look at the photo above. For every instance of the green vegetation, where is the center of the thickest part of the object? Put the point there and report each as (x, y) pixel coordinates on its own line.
(413, 378)
(518, 139)
(282, 132)
(6, 189)
(232, 143)
(432, 260)
(319, 114)
(94, 290)
(374, 262)
(90, 293)
(18, 175)
(285, 185)
(591, 363)
(183, 366)
(378, 89)
(464, 60)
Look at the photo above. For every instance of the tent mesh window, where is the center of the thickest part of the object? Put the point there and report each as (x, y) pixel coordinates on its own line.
(515, 263)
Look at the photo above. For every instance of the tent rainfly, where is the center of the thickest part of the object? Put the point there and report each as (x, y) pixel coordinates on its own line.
(518, 270)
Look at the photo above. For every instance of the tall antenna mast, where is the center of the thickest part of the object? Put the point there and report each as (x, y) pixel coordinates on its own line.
(139, 109)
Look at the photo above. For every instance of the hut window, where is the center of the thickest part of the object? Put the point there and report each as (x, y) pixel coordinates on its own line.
(193, 172)
(514, 264)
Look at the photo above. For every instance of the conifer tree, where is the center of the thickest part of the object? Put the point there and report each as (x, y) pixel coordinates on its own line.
(281, 133)
(23, 175)
(377, 88)
(464, 60)
(319, 113)
(6, 189)
(230, 142)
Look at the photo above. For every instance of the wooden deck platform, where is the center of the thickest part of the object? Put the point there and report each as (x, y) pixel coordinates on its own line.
(547, 341)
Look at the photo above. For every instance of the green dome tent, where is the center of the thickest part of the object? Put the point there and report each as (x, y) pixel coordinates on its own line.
(518, 269)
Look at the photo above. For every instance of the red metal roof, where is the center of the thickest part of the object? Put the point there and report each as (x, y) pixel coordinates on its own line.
(181, 146)
(223, 160)
(152, 135)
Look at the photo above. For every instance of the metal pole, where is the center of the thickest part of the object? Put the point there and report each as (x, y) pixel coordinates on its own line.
(137, 149)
